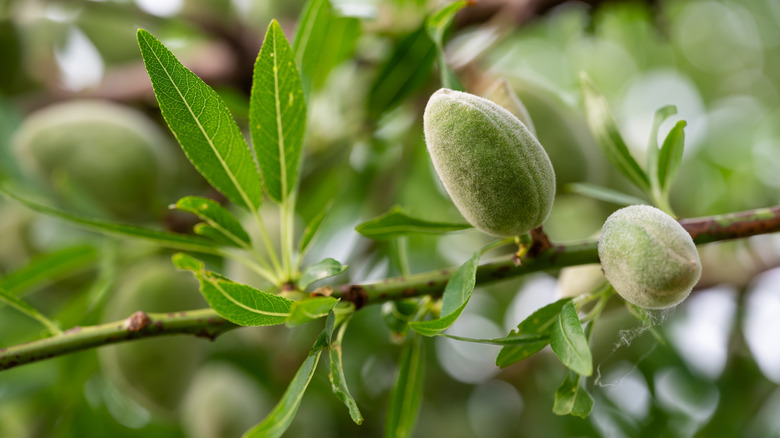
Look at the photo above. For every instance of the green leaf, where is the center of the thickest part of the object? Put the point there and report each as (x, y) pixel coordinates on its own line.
(277, 114)
(338, 381)
(217, 217)
(539, 323)
(48, 267)
(512, 354)
(543, 320)
(202, 124)
(106, 276)
(608, 136)
(516, 348)
(238, 303)
(169, 240)
(323, 40)
(243, 304)
(671, 155)
(571, 398)
(436, 25)
(456, 296)
(280, 418)
(448, 77)
(309, 309)
(568, 341)
(604, 194)
(206, 230)
(652, 145)
(311, 231)
(405, 71)
(28, 310)
(319, 271)
(506, 340)
(407, 394)
(397, 223)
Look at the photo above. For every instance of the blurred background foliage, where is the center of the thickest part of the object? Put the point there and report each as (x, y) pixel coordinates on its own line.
(75, 99)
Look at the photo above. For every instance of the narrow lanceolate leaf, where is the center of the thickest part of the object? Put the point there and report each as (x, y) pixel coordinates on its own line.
(243, 304)
(311, 231)
(28, 310)
(202, 124)
(277, 114)
(456, 296)
(238, 303)
(407, 69)
(506, 340)
(338, 381)
(671, 155)
(652, 145)
(436, 25)
(169, 240)
(604, 194)
(539, 323)
(571, 398)
(397, 223)
(542, 321)
(323, 40)
(407, 393)
(206, 230)
(512, 354)
(309, 309)
(448, 77)
(106, 277)
(48, 267)
(217, 217)
(280, 418)
(319, 271)
(569, 343)
(608, 136)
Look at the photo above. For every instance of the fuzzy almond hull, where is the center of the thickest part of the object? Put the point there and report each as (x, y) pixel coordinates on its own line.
(493, 168)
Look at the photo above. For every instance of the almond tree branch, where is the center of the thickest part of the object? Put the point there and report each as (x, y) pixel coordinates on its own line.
(733, 225)
(206, 322)
(433, 283)
(203, 323)
(555, 256)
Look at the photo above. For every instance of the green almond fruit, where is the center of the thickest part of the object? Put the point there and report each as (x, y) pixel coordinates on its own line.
(494, 169)
(157, 372)
(112, 154)
(648, 257)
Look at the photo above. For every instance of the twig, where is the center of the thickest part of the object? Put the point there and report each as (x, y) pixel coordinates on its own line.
(547, 256)
(733, 225)
(203, 323)
(206, 322)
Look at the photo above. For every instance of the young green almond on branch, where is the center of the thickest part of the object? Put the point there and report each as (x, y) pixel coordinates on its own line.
(648, 257)
(494, 169)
